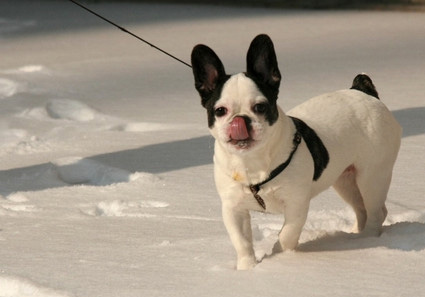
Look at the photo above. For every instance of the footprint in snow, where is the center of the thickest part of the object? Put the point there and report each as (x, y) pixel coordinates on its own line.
(29, 69)
(147, 127)
(17, 197)
(70, 110)
(77, 170)
(118, 208)
(8, 88)
(14, 204)
(19, 208)
(18, 287)
(11, 137)
(60, 109)
(141, 127)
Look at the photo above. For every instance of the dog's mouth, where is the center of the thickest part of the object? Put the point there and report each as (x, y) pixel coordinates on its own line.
(241, 144)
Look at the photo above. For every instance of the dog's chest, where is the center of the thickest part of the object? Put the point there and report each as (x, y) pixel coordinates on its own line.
(270, 194)
(270, 197)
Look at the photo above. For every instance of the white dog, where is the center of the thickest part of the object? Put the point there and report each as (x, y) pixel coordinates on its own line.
(266, 160)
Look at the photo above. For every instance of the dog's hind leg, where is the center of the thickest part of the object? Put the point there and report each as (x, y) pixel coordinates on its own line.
(347, 188)
(374, 185)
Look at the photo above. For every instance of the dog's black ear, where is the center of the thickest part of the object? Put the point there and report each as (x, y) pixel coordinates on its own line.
(262, 63)
(208, 71)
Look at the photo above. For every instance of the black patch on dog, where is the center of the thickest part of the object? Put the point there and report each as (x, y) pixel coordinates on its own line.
(271, 113)
(362, 82)
(210, 77)
(213, 98)
(315, 145)
(263, 69)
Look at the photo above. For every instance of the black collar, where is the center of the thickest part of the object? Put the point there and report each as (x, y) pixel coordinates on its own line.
(275, 172)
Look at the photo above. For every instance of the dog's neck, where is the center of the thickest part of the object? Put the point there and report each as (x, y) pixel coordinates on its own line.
(255, 166)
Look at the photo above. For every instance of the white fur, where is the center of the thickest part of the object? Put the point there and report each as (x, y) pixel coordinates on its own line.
(361, 136)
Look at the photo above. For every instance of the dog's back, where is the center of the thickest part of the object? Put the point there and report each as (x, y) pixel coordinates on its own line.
(352, 119)
(363, 140)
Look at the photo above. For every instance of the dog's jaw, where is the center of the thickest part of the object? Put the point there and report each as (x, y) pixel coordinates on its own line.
(241, 144)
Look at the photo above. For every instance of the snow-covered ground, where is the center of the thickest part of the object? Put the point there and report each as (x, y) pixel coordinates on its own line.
(106, 177)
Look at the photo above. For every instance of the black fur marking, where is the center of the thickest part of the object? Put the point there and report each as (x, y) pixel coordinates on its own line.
(210, 77)
(210, 103)
(263, 69)
(363, 83)
(271, 112)
(315, 145)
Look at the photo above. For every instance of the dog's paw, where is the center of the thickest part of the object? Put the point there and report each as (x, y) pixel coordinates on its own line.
(246, 263)
(280, 248)
(372, 231)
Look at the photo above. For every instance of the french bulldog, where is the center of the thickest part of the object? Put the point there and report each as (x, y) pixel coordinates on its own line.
(269, 161)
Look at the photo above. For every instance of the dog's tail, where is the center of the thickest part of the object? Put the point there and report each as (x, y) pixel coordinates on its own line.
(363, 83)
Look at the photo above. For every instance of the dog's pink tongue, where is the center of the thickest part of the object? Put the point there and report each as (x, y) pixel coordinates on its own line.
(238, 129)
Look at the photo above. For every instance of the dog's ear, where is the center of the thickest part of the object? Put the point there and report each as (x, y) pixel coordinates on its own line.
(208, 71)
(262, 63)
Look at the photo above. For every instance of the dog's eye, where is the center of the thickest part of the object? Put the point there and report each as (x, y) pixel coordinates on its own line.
(260, 108)
(220, 111)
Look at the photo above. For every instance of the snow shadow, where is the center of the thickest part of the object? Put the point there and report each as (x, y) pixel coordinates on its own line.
(403, 236)
(412, 120)
(115, 167)
(110, 168)
(162, 157)
(181, 154)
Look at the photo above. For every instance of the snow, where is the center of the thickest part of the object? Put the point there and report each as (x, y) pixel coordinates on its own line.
(70, 110)
(106, 184)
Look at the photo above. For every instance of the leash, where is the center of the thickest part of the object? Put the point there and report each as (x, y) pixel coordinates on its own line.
(132, 34)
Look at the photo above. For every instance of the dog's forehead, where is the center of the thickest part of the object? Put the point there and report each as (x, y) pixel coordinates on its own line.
(240, 89)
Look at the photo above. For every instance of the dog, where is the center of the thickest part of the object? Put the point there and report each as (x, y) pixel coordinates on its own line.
(266, 160)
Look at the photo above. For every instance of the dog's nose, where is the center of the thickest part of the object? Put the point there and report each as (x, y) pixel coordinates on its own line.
(239, 128)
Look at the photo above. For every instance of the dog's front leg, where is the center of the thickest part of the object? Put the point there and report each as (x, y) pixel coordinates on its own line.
(295, 217)
(238, 225)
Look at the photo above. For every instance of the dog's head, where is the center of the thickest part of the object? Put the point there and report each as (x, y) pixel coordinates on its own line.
(242, 107)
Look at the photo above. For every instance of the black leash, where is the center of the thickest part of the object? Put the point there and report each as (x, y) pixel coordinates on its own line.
(132, 34)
